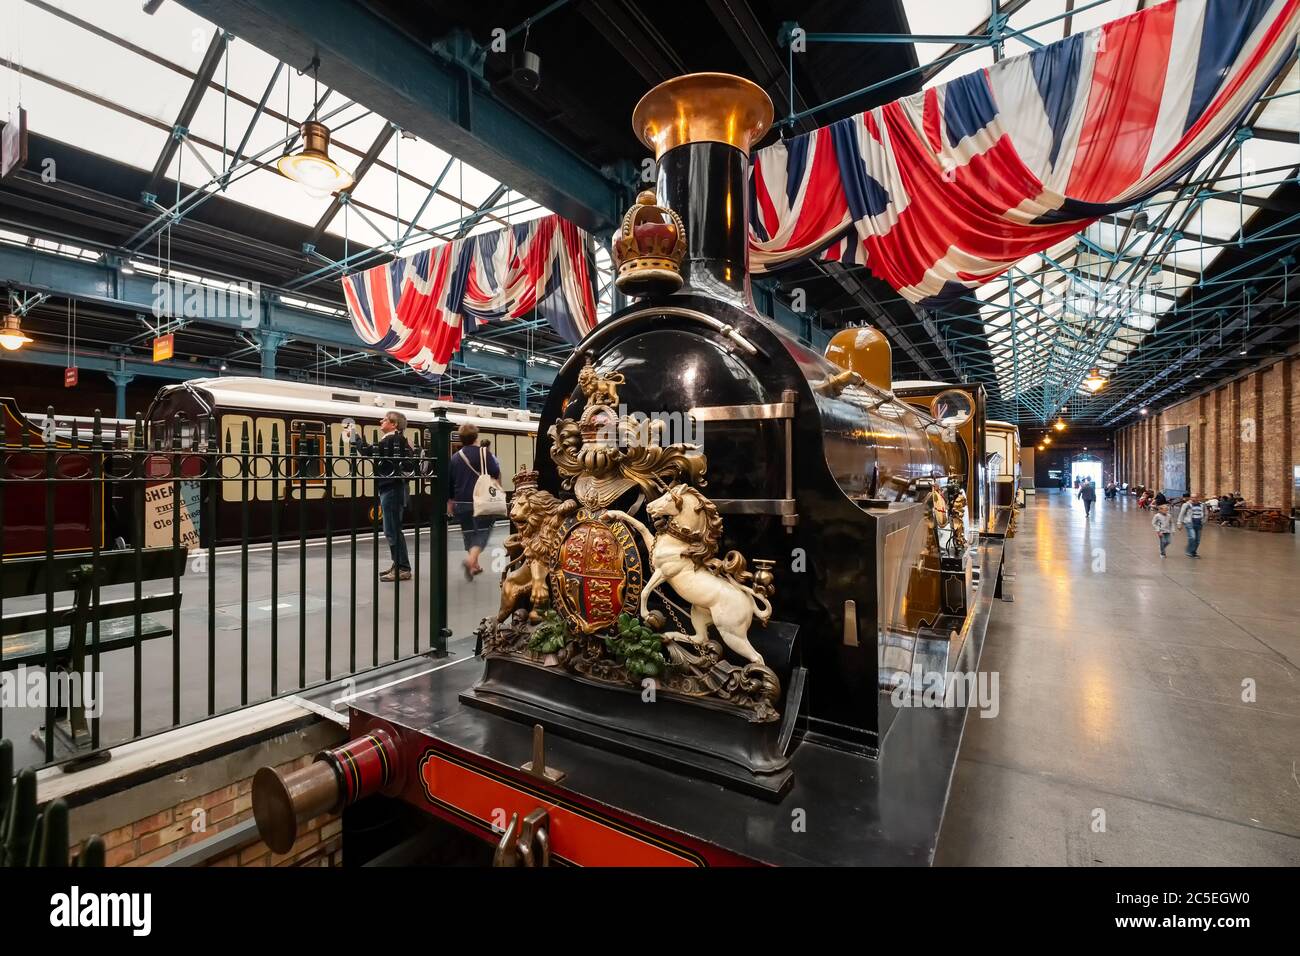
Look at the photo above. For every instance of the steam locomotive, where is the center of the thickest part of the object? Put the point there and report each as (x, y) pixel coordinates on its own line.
(841, 505)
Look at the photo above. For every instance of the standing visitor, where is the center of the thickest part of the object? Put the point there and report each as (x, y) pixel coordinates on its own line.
(1087, 494)
(467, 466)
(1191, 516)
(392, 459)
(1163, 522)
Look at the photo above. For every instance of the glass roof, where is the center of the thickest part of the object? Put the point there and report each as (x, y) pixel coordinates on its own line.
(120, 95)
(1099, 293)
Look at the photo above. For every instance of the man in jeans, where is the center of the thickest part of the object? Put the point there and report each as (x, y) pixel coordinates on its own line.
(392, 459)
(1191, 516)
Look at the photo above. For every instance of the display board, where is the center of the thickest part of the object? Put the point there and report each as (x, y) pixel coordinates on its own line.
(1174, 480)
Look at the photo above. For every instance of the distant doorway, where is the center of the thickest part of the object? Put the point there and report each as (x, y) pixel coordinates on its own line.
(1087, 469)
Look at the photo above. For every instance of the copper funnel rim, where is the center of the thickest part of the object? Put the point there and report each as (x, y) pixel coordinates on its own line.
(703, 108)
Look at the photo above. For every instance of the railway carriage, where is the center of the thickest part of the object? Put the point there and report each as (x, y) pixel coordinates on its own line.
(284, 442)
(288, 442)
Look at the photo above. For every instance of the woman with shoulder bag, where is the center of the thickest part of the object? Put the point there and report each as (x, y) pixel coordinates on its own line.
(477, 496)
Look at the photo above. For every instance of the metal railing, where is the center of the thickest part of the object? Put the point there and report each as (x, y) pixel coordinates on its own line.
(115, 520)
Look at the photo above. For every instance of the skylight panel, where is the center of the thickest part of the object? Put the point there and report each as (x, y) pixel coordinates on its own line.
(72, 119)
(172, 32)
(100, 66)
(1283, 112)
(271, 192)
(949, 18)
(1036, 11)
(1220, 219)
(1258, 172)
(969, 63)
(1087, 19)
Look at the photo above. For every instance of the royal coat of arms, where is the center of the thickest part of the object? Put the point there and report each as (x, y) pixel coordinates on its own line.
(598, 574)
(583, 569)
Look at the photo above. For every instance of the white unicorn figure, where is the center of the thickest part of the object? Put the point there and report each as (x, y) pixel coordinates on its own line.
(684, 553)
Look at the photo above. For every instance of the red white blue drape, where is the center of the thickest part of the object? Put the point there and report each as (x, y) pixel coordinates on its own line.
(941, 191)
(417, 309)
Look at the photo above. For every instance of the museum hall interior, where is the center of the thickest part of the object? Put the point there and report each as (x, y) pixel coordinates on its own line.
(605, 433)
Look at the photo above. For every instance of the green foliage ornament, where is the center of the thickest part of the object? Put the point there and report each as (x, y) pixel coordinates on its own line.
(637, 648)
(550, 635)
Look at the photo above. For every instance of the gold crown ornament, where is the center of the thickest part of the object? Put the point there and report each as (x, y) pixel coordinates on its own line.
(525, 479)
(649, 249)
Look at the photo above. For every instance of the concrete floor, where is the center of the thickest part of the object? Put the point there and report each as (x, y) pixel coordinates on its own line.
(1121, 700)
(467, 605)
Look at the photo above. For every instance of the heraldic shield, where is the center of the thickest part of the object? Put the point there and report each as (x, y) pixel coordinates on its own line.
(598, 573)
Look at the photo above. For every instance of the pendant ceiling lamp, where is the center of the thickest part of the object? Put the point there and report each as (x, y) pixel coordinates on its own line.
(1060, 425)
(1095, 381)
(311, 166)
(12, 337)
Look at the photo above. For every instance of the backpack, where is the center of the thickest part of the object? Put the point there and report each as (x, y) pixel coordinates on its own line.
(489, 496)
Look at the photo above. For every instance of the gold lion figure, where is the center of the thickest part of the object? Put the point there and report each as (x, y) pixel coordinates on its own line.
(539, 517)
(599, 389)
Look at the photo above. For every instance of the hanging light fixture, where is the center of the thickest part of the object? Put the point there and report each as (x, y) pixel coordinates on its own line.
(1060, 425)
(12, 337)
(1047, 439)
(1095, 381)
(311, 167)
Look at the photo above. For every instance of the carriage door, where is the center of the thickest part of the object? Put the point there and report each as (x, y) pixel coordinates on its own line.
(307, 459)
(269, 463)
(236, 433)
(340, 460)
(373, 435)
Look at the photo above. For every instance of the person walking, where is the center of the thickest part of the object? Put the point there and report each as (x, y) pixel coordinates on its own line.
(1087, 494)
(1190, 517)
(467, 465)
(1163, 522)
(392, 457)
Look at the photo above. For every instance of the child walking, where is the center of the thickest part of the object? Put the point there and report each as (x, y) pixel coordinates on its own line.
(1163, 522)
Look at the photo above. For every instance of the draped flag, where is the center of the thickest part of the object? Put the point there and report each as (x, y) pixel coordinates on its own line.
(419, 308)
(938, 192)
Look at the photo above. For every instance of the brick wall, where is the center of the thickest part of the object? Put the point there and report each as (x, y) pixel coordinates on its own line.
(1243, 437)
(192, 821)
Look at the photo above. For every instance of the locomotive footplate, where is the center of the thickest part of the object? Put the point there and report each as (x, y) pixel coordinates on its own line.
(464, 765)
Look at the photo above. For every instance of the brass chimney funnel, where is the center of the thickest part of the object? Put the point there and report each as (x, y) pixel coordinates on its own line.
(703, 108)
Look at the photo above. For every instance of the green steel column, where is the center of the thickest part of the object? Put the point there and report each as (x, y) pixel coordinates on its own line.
(440, 451)
(120, 380)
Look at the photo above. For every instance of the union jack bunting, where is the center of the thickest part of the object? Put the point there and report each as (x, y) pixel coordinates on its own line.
(419, 308)
(941, 191)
